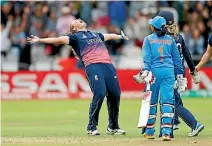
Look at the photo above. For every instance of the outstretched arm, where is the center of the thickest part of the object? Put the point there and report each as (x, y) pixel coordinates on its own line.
(206, 57)
(113, 36)
(55, 40)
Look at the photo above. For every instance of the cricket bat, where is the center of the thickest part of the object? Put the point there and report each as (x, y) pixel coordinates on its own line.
(145, 107)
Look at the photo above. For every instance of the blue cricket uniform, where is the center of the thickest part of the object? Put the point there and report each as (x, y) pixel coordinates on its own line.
(161, 56)
(185, 54)
(183, 112)
(101, 75)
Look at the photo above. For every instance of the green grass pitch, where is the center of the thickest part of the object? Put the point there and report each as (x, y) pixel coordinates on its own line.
(63, 122)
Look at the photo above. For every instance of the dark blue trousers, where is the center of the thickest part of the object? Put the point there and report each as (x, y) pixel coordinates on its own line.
(103, 82)
(183, 113)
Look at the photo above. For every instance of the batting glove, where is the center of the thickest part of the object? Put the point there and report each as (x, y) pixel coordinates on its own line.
(195, 76)
(180, 83)
(144, 76)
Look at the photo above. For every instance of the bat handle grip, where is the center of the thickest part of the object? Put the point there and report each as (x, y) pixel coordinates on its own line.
(147, 86)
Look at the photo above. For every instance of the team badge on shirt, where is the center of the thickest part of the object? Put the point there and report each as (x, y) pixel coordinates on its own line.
(96, 77)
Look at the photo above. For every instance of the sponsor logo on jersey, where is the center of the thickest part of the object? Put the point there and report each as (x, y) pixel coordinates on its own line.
(96, 40)
(156, 41)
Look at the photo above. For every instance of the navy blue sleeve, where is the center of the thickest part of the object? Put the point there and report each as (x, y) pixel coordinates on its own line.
(101, 36)
(178, 66)
(210, 40)
(72, 39)
(187, 55)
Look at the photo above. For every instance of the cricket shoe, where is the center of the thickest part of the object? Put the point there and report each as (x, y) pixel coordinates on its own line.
(166, 137)
(175, 127)
(197, 130)
(149, 136)
(110, 131)
(93, 133)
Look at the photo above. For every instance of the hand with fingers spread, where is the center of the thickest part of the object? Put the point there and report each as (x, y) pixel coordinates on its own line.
(33, 39)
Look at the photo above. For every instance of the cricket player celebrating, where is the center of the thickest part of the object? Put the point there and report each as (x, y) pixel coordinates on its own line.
(180, 110)
(161, 59)
(100, 71)
(206, 57)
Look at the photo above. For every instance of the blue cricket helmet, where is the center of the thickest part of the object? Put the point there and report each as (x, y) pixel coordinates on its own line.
(168, 16)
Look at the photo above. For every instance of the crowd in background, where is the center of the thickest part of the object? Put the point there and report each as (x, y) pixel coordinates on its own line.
(50, 19)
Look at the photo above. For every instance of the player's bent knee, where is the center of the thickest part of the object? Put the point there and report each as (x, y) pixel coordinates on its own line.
(100, 95)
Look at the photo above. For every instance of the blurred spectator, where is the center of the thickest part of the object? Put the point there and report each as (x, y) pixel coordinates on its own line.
(51, 23)
(129, 29)
(74, 8)
(97, 27)
(18, 37)
(18, 10)
(118, 13)
(100, 13)
(163, 3)
(5, 30)
(38, 20)
(6, 10)
(50, 49)
(135, 26)
(85, 11)
(134, 6)
(144, 6)
(186, 33)
(51, 19)
(103, 6)
(196, 43)
(115, 47)
(63, 23)
(195, 17)
(178, 5)
(204, 31)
